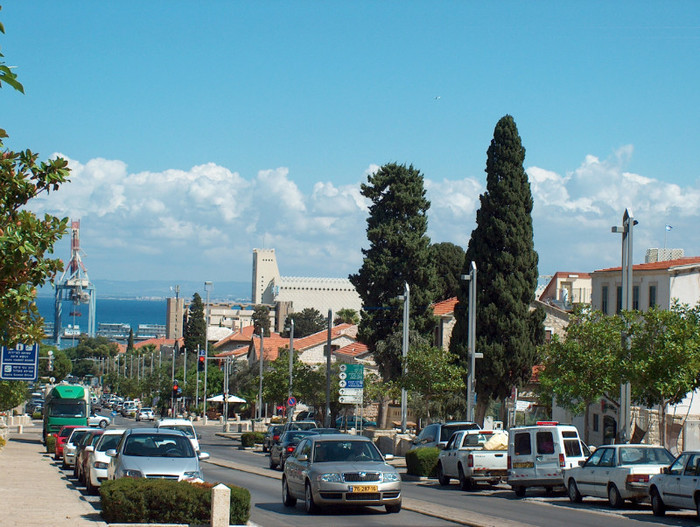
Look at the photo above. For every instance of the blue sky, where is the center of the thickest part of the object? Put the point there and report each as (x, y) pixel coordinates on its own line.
(199, 130)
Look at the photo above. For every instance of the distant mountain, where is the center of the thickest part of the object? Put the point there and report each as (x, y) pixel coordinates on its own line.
(220, 291)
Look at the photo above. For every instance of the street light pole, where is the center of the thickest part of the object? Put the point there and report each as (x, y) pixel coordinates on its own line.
(290, 410)
(471, 340)
(328, 370)
(628, 223)
(260, 363)
(207, 287)
(406, 297)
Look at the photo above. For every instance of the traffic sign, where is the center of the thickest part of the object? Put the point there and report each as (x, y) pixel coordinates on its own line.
(291, 401)
(350, 391)
(20, 363)
(353, 374)
(350, 399)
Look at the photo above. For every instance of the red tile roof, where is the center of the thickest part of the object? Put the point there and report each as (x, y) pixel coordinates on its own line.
(244, 335)
(237, 352)
(322, 336)
(272, 345)
(656, 266)
(446, 307)
(355, 349)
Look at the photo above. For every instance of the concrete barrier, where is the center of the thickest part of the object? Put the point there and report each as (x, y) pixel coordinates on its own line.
(220, 505)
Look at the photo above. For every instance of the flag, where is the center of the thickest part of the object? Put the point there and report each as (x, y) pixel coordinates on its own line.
(668, 227)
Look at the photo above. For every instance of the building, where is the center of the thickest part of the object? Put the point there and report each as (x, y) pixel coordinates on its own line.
(565, 290)
(174, 318)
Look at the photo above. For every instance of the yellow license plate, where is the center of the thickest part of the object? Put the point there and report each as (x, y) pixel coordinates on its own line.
(363, 488)
(527, 464)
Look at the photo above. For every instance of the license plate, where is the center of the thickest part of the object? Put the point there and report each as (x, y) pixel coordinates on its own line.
(526, 464)
(363, 488)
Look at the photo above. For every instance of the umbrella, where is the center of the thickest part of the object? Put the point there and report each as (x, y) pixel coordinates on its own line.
(220, 399)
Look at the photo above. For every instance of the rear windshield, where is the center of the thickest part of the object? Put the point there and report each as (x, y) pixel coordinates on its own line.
(643, 456)
(446, 431)
(521, 445)
(189, 431)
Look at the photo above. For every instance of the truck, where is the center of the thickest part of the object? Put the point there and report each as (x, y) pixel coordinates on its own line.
(473, 457)
(66, 404)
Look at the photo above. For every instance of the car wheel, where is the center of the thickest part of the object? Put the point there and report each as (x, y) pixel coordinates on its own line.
(309, 504)
(657, 504)
(614, 497)
(574, 494)
(519, 491)
(282, 464)
(273, 465)
(287, 498)
(393, 509)
(442, 479)
(91, 489)
(103, 423)
(465, 483)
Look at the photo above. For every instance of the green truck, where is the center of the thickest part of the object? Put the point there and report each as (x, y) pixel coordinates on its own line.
(66, 404)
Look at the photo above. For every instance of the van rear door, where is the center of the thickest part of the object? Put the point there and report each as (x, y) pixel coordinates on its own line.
(547, 452)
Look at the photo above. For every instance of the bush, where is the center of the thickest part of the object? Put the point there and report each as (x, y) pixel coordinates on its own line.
(37, 415)
(129, 500)
(50, 444)
(249, 439)
(422, 461)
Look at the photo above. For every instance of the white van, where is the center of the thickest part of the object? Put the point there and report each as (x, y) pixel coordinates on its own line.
(183, 425)
(537, 455)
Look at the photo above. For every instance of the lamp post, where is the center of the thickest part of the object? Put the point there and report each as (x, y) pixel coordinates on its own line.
(628, 223)
(406, 297)
(290, 410)
(471, 340)
(328, 370)
(260, 363)
(207, 288)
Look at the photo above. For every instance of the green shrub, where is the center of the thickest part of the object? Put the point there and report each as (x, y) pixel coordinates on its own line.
(129, 500)
(251, 438)
(422, 461)
(50, 444)
(37, 415)
(2, 442)
(259, 438)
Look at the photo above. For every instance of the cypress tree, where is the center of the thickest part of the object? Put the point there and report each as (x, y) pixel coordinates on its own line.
(398, 253)
(502, 246)
(196, 327)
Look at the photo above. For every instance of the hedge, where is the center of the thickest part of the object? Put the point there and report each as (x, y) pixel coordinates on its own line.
(252, 438)
(51, 443)
(131, 500)
(422, 461)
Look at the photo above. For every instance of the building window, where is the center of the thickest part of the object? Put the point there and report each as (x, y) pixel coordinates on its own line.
(652, 296)
(595, 422)
(619, 299)
(635, 297)
(604, 300)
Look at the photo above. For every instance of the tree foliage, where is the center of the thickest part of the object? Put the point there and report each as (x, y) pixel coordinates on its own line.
(306, 322)
(448, 260)
(346, 316)
(195, 334)
(502, 246)
(398, 253)
(61, 364)
(12, 393)
(261, 320)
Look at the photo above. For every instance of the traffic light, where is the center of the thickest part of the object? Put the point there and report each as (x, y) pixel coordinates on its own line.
(201, 363)
(176, 389)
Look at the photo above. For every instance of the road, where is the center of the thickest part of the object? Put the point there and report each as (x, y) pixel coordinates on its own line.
(497, 506)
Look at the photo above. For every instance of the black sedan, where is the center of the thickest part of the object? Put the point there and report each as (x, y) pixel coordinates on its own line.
(281, 450)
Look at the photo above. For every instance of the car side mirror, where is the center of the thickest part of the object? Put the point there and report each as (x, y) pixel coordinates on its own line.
(203, 455)
(666, 470)
(303, 457)
(89, 448)
(441, 446)
(111, 453)
(581, 462)
(388, 457)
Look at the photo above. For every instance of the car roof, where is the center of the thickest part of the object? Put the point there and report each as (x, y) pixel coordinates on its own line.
(114, 431)
(155, 431)
(338, 437)
(162, 422)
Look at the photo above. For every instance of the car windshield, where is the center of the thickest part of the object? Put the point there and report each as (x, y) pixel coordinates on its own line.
(645, 456)
(77, 436)
(295, 437)
(67, 409)
(144, 445)
(108, 442)
(182, 428)
(334, 451)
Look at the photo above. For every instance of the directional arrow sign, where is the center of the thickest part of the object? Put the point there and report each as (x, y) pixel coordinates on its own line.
(350, 399)
(350, 391)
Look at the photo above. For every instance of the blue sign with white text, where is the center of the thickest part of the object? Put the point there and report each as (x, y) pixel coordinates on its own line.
(20, 363)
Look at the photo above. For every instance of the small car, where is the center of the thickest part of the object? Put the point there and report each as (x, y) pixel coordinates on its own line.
(98, 461)
(155, 453)
(340, 470)
(99, 420)
(678, 486)
(183, 425)
(83, 450)
(145, 414)
(280, 451)
(271, 436)
(354, 421)
(438, 434)
(71, 445)
(618, 472)
(61, 439)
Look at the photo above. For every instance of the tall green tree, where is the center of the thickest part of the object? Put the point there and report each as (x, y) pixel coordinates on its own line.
(306, 322)
(261, 320)
(196, 327)
(346, 316)
(448, 260)
(399, 252)
(502, 246)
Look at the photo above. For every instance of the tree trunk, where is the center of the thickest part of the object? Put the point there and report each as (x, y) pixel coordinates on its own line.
(586, 417)
(662, 423)
(482, 404)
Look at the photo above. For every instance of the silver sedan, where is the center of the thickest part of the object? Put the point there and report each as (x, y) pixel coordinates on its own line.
(332, 470)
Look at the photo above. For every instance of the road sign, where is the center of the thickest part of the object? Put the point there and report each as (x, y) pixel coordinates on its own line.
(20, 363)
(350, 399)
(202, 353)
(350, 391)
(353, 375)
(291, 401)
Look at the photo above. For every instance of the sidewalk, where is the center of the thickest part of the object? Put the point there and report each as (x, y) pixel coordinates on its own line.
(34, 491)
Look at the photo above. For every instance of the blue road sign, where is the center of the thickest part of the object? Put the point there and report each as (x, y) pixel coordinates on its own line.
(291, 401)
(20, 363)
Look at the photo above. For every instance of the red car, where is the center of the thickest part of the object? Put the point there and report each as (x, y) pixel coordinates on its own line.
(61, 439)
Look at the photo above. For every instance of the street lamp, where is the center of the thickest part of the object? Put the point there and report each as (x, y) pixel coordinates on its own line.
(406, 297)
(628, 223)
(260, 363)
(290, 410)
(471, 340)
(207, 288)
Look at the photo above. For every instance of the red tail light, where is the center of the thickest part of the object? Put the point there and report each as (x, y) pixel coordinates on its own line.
(276, 437)
(470, 461)
(637, 478)
(562, 461)
(510, 463)
(290, 449)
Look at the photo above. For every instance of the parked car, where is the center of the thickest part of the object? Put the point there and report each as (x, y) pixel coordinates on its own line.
(280, 451)
(129, 409)
(83, 450)
(155, 453)
(61, 438)
(678, 486)
(618, 472)
(464, 458)
(183, 425)
(438, 434)
(334, 470)
(353, 421)
(326, 431)
(300, 425)
(306, 415)
(98, 420)
(145, 414)
(71, 445)
(272, 436)
(98, 461)
(539, 454)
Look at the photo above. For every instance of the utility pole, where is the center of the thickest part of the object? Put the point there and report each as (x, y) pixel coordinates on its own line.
(328, 370)
(290, 410)
(471, 341)
(406, 297)
(207, 287)
(260, 364)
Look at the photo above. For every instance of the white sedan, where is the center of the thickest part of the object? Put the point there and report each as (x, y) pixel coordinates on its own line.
(99, 420)
(618, 472)
(678, 486)
(98, 461)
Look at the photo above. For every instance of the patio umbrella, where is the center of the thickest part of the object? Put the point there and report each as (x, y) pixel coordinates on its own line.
(220, 399)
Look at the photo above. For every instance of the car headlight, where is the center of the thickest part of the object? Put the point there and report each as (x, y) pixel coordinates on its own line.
(130, 473)
(100, 465)
(330, 478)
(193, 474)
(390, 477)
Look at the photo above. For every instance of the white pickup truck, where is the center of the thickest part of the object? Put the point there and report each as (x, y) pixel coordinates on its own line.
(464, 458)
